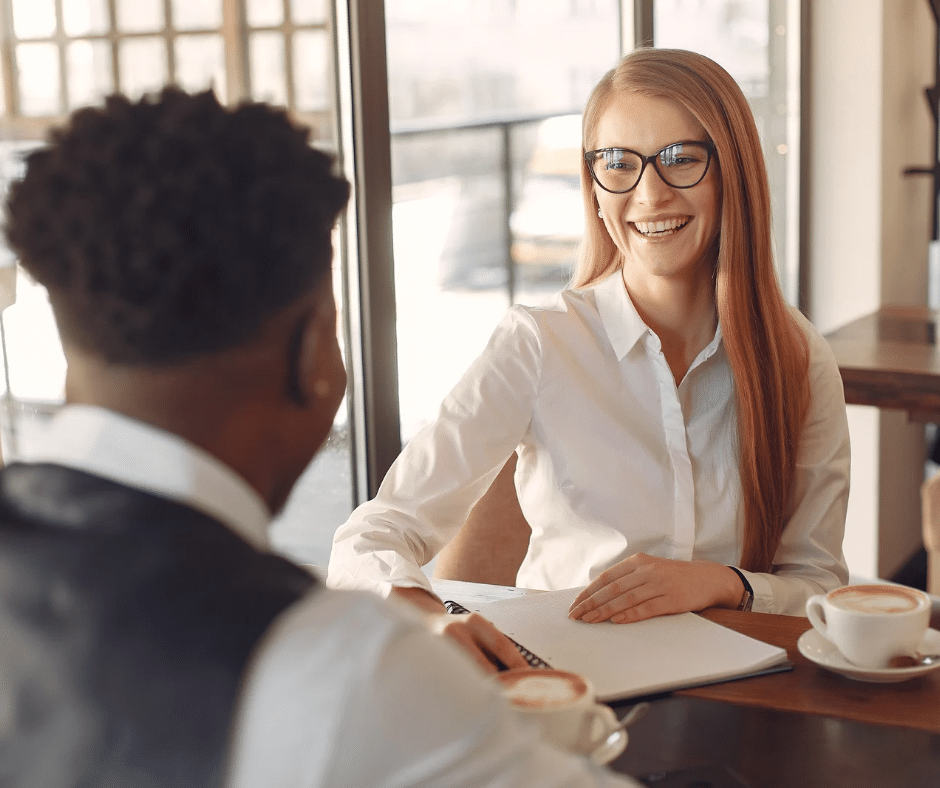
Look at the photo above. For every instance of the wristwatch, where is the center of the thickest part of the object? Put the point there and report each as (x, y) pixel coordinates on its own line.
(747, 598)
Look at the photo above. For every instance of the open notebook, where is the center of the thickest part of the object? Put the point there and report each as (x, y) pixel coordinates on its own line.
(629, 660)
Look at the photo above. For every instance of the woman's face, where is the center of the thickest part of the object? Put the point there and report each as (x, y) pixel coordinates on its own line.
(663, 232)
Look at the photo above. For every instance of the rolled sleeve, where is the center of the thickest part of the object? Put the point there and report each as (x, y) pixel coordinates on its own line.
(430, 489)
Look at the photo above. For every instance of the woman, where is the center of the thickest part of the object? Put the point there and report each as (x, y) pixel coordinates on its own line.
(681, 431)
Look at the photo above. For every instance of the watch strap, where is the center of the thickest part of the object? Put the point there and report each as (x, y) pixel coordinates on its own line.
(747, 598)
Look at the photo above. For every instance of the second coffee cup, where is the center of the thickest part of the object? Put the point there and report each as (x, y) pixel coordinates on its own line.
(873, 623)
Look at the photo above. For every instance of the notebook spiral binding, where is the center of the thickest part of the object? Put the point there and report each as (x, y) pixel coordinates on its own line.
(534, 660)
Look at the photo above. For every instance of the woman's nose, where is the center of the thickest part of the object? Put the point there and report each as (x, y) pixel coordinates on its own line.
(652, 189)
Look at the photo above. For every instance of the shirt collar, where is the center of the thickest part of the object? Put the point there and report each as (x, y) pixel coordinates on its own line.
(623, 323)
(107, 444)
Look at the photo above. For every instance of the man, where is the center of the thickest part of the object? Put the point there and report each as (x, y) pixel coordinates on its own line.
(147, 635)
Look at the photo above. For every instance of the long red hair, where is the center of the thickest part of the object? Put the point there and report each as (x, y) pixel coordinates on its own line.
(766, 348)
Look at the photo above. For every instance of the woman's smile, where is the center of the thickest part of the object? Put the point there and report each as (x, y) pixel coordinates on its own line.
(660, 228)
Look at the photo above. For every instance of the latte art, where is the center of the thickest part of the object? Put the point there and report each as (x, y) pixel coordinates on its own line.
(544, 688)
(875, 599)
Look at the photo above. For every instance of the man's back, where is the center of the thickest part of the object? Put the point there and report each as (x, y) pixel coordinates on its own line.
(130, 619)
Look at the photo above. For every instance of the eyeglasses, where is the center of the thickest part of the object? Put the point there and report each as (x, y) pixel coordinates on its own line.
(681, 165)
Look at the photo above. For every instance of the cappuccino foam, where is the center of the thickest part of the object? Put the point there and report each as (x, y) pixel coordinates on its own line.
(875, 599)
(541, 688)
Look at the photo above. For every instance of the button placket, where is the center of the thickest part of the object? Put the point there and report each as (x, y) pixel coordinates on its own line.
(683, 535)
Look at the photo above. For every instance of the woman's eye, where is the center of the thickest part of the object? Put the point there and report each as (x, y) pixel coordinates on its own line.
(619, 164)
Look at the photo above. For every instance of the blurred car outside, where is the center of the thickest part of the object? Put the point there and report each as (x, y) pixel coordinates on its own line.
(547, 223)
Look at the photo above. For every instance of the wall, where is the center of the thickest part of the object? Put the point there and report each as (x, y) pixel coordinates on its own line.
(868, 231)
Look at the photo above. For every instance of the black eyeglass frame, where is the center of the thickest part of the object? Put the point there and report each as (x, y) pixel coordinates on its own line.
(590, 155)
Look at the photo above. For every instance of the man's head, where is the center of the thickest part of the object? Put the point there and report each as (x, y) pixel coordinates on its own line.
(174, 227)
(186, 248)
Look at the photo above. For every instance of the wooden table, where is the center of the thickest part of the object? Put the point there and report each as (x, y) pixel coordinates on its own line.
(806, 728)
(811, 689)
(890, 359)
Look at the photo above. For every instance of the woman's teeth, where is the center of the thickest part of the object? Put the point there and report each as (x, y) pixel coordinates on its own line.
(659, 229)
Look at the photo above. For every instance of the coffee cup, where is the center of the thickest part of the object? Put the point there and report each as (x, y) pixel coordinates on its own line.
(871, 624)
(561, 704)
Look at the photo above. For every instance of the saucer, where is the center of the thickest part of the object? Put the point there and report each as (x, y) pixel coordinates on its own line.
(612, 748)
(817, 649)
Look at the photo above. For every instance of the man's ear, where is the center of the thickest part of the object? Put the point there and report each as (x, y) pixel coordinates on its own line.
(302, 347)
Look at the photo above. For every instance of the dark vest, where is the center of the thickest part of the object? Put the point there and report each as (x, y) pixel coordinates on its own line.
(127, 622)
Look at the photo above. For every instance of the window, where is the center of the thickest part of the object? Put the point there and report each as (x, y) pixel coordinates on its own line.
(63, 54)
(485, 163)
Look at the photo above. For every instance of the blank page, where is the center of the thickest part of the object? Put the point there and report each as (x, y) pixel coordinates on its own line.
(624, 660)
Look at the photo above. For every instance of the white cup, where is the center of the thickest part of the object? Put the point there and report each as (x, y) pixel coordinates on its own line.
(561, 704)
(871, 624)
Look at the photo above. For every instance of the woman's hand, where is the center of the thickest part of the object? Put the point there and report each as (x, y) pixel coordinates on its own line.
(644, 586)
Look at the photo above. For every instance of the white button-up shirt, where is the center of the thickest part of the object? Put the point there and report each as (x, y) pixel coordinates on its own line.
(614, 459)
(345, 690)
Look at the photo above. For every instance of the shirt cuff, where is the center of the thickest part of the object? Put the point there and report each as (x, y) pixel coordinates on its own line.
(763, 593)
(342, 577)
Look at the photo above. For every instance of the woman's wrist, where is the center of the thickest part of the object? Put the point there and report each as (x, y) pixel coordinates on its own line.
(725, 587)
(747, 593)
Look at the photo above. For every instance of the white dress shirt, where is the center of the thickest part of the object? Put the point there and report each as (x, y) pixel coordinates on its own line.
(345, 689)
(614, 459)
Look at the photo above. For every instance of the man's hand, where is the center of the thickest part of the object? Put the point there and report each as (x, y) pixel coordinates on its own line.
(644, 586)
(480, 639)
(474, 634)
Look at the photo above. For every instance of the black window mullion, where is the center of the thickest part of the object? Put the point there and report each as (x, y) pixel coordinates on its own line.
(371, 316)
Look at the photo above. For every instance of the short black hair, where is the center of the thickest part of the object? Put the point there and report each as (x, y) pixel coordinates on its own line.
(173, 227)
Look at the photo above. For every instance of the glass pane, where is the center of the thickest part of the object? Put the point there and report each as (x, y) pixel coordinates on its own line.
(200, 63)
(308, 12)
(197, 14)
(738, 36)
(547, 218)
(136, 16)
(731, 33)
(459, 242)
(35, 365)
(88, 72)
(265, 13)
(38, 77)
(30, 333)
(143, 65)
(85, 17)
(33, 18)
(311, 59)
(266, 61)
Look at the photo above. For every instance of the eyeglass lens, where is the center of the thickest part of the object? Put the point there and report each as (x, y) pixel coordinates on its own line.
(680, 165)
